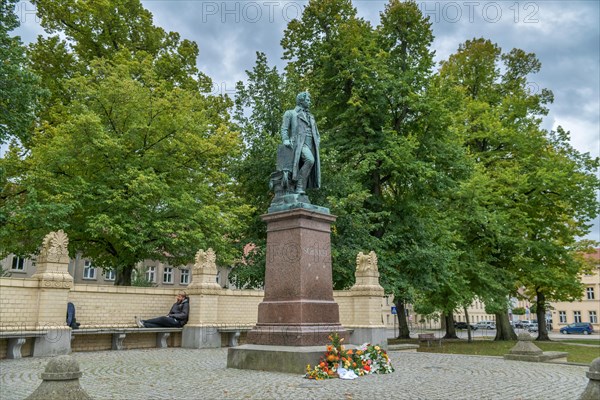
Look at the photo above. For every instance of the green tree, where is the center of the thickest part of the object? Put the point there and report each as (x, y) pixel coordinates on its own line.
(131, 160)
(19, 86)
(259, 107)
(377, 116)
(528, 212)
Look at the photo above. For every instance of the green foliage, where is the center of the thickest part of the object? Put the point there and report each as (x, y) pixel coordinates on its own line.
(132, 161)
(531, 194)
(19, 86)
(518, 311)
(139, 279)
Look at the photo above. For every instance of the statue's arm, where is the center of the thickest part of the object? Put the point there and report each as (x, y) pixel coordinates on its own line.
(285, 128)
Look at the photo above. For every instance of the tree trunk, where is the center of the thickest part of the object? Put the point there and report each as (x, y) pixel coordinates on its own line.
(541, 316)
(403, 331)
(504, 330)
(469, 333)
(450, 330)
(123, 277)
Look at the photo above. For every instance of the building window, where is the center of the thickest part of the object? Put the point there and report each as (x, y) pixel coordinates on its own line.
(577, 316)
(590, 293)
(151, 274)
(593, 317)
(562, 317)
(89, 272)
(185, 276)
(18, 264)
(168, 275)
(109, 275)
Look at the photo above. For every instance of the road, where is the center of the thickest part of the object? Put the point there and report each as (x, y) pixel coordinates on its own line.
(491, 333)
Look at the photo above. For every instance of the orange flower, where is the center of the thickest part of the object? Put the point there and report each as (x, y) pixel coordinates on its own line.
(322, 364)
(349, 352)
(331, 358)
(329, 348)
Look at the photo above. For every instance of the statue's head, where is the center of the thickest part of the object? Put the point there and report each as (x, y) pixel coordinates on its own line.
(303, 99)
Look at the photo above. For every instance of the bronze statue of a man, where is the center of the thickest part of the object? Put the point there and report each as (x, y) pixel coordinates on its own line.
(299, 133)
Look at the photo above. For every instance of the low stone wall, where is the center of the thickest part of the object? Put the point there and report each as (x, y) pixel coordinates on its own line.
(39, 304)
(105, 307)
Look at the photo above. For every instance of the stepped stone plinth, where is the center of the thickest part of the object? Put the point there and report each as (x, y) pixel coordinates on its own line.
(525, 350)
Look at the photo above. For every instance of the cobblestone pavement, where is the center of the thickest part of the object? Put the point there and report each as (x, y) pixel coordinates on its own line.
(202, 374)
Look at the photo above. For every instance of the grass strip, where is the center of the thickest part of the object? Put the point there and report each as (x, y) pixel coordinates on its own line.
(577, 354)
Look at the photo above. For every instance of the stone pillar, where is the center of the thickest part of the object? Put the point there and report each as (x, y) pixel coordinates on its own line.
(367, 295)
(592, 390)
(60, 381)
(298, 308)
(201, 329)
(55, 282)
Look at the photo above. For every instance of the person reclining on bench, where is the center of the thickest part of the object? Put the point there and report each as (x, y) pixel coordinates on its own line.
(177, 317)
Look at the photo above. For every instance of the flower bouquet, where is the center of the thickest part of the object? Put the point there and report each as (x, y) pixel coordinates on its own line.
(365, 359)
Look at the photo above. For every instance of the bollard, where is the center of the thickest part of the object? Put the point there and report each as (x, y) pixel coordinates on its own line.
(60, 381)
(592, 390)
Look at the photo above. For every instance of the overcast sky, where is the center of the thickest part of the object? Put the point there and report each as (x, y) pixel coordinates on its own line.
(565, 35)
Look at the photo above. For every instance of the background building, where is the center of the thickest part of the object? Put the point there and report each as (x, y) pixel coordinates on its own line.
(155, 273)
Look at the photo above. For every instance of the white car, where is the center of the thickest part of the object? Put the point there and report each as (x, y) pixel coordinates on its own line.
(528, 324)
(486, 325)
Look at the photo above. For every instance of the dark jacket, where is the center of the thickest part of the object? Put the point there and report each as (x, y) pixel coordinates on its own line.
(181, 311)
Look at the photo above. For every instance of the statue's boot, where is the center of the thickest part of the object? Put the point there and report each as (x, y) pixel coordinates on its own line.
(300, 186)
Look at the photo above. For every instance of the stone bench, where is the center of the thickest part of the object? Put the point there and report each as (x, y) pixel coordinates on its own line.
(429, 337)
(119, 334)
(233, 334)
(16, 339)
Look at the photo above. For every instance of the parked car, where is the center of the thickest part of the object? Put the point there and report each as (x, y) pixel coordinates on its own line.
(524, 324)
(464, 325)
(533, 327)
(578, 327)
(486, 325)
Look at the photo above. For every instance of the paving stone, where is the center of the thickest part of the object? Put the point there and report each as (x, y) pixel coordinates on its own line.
(176, 373)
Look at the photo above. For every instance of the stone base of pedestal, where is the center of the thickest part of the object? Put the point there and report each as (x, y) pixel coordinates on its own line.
(294, 335)
(290, 359)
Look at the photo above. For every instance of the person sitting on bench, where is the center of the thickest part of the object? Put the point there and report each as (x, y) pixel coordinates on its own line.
(177, 317)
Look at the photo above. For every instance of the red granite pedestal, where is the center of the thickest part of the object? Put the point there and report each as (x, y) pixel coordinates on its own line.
(298, 308)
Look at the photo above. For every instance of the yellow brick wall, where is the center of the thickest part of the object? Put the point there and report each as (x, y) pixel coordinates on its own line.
(19, 304)
(239, 307)
(101, 306)
(104, 306)
(346, 305)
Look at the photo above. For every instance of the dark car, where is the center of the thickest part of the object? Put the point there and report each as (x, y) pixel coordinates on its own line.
(578, 327)
(464, 325)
